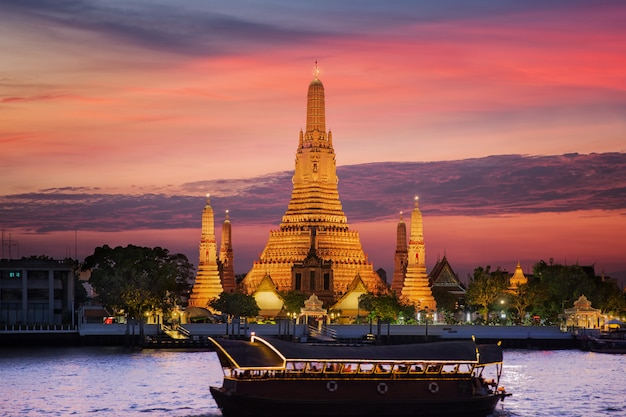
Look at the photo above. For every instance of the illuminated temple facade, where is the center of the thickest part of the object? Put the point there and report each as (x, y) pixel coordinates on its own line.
(314, 250)
(410, 280)
(214, 275)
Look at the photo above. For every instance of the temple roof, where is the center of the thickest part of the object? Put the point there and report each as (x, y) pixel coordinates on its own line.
(518, 277)
(442, 275)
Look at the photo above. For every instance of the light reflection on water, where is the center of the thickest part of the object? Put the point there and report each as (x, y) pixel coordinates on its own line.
(564, 383)
(112, 382)
(107, 382)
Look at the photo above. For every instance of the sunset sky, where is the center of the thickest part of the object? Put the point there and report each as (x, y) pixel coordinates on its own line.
(117, 117)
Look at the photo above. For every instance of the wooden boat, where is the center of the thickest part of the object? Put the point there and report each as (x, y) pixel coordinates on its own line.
(277, 378)
(607, 344)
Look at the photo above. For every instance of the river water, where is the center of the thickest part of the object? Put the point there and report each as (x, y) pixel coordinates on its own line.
(113, 382)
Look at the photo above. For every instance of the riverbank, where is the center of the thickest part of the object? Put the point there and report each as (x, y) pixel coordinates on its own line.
(194, 335)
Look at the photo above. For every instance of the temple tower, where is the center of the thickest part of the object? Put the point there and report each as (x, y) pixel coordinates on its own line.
(401, 258)
(416, 288)
(314, 226)
(517, 279)
(208, 283)
(227, 259)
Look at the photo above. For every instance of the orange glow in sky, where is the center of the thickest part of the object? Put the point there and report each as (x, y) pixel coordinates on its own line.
(134, 98)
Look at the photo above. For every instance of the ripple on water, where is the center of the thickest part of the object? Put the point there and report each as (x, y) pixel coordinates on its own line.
(112, 382)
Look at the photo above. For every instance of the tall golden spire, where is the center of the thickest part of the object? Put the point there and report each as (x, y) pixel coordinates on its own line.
(314, 214)
(208, 282)
(400, 259)
(416, 287)
(315, 109)
(417, 248)
(227, 258)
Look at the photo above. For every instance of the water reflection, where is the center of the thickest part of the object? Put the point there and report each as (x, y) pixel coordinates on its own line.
(112, 382)
(108, 382)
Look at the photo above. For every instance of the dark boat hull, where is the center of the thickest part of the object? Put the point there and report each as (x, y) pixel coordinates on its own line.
(607, 345)
(233, 404)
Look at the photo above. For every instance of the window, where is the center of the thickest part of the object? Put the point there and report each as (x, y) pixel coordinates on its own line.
(10, 294)
(12, 274)
(298, 285)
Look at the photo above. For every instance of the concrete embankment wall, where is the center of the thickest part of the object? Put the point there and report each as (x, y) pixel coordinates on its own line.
(86, 335)
(525, 337)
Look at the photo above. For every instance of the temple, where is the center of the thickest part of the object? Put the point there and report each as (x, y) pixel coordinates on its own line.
(400, 258)
(518, 279)
(415, 287)
(314, 250)
(208, 283)
(227, 259)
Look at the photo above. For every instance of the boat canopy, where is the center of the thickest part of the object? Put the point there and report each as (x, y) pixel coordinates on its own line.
(274, 353)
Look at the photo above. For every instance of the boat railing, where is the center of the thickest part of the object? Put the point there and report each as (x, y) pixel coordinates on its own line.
(39, 328)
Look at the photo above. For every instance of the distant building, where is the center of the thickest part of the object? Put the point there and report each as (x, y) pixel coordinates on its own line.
(517, 279)
(443, 276)
(208, 284)
(582, 315)
(36, 291)
(400, 258)
(414, 286)
(227, 257)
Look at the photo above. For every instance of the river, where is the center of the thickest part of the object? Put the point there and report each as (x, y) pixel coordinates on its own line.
(113, 382)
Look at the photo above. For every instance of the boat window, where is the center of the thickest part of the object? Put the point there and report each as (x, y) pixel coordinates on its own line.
(434, 368)
(366, 368)
(331, 367)
(465, 368)
(294, 367)
(383, 368)
(400, 368)
(417, 369)
(349, 368)
(314, 367)
(450, 368)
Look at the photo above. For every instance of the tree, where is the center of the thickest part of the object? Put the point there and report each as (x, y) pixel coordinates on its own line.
(294, 300)
(445, 299)
(138, 279)
(523, 298)
(235, 304)
(385, 307)
(561, 285)
(486, 287)
(615, 304)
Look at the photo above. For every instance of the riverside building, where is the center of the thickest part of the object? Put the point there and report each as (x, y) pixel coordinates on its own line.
(36, 291)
